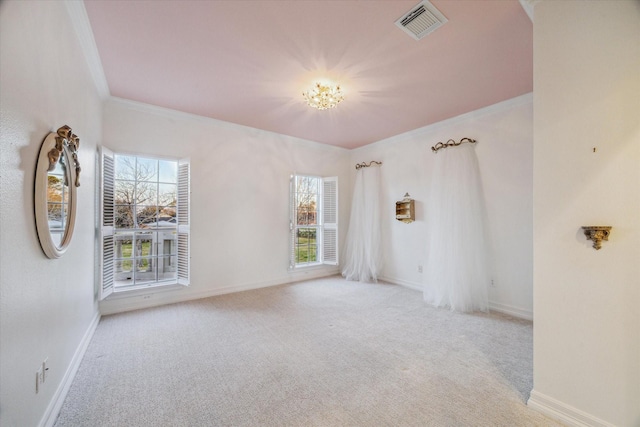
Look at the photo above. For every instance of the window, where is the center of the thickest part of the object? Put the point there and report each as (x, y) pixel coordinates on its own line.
(145, 222)
(313, 221)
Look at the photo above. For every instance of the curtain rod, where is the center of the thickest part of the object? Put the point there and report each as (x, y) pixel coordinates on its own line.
(365, 165)
(451, 143)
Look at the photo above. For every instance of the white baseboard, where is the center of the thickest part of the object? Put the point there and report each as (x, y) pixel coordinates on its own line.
(159, 297)
(51, 414)
(404, 283)
(562, 412)
(493, 306)
(511, 310)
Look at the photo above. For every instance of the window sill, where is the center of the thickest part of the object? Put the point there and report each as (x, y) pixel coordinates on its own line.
(307, 266)
(315, 266)
(135, 291)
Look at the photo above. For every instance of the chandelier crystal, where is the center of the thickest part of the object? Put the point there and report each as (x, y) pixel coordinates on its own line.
(323, 97)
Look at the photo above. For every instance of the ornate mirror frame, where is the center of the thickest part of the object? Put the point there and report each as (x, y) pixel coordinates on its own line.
(57, 176)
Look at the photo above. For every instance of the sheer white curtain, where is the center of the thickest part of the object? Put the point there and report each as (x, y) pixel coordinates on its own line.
(362, 249)
(457, 274)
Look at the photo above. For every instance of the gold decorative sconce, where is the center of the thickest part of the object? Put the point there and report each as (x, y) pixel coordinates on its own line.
(597, 233)
(405, 209)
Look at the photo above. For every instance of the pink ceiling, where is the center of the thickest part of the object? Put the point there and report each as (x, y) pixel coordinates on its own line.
(247, 62)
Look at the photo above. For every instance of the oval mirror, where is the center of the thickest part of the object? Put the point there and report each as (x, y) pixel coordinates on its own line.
(55, 191)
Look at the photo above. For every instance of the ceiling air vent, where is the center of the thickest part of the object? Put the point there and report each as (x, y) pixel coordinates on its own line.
(421, 20)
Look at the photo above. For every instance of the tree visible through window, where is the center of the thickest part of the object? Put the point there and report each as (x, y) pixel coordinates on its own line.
(313, 220)
(144, 222)
(306, 206)
(145, 240)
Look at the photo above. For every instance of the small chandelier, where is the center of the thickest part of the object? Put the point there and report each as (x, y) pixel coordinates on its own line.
(323, 97)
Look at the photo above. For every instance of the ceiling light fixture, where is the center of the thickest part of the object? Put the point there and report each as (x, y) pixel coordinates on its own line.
(323, 97)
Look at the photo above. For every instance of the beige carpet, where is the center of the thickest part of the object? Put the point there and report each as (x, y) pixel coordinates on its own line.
(325, 352)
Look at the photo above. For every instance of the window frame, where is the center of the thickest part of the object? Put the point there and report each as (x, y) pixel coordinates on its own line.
(107, 227)
(326, 222)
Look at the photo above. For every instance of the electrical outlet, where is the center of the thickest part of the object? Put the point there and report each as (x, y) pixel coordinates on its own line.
(419, 269)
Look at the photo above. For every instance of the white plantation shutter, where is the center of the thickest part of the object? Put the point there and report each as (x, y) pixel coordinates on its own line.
(184, 201)
(330, 221)
(107, 222)
(292, 222)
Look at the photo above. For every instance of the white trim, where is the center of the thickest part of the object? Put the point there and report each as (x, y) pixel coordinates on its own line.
(53, 409)
(493, 306)
(562, 412)
(528, 6)
(84, 33)
(112, 306)
(411, 285)
(176, 114)
(145, 289)
(181, 115)
(511, 310)
(445, 124)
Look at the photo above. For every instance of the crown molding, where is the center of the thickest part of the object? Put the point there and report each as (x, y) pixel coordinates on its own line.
(84, 33)
(528, 5)
(507, 105)
(172, 114)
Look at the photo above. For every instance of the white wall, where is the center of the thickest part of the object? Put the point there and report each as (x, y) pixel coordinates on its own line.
(47, 307)
(239, 196)
(504, 149)
(587, 344)
(586, 302)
